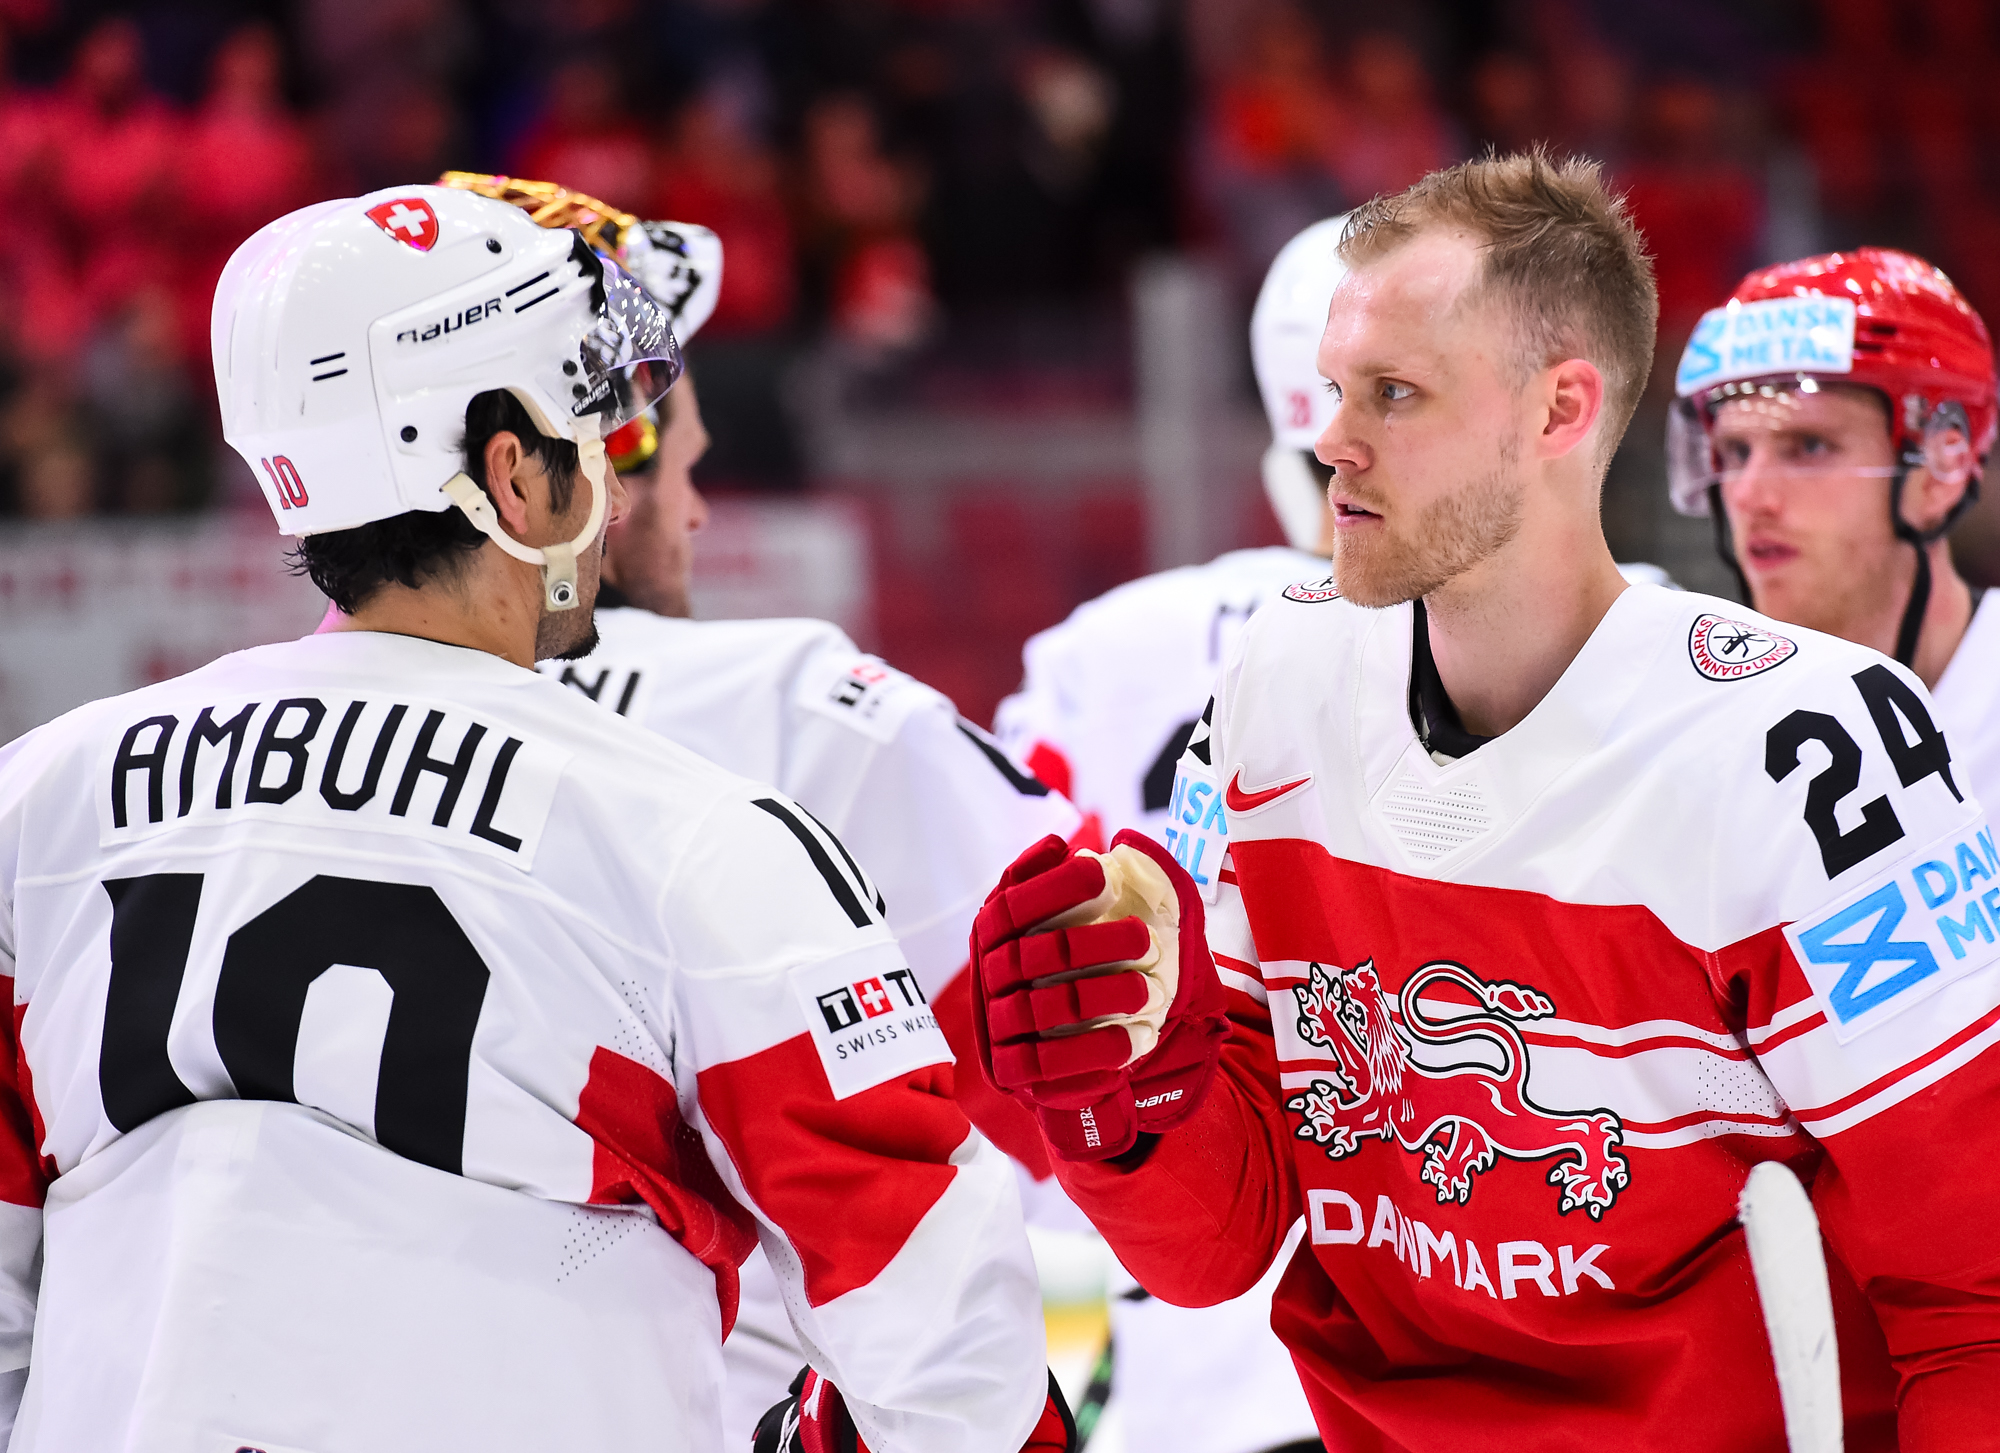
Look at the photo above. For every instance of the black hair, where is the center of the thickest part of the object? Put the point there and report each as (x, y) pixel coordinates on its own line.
(349, 566)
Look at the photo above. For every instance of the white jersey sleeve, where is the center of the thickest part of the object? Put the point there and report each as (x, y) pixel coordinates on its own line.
(1968, 702)
(919, 808)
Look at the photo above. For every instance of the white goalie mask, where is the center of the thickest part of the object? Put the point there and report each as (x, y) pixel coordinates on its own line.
(350, 336)
(1285, 329)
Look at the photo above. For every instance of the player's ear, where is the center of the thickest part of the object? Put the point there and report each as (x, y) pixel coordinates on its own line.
(1573, 395)
(1946, 475)
(508, 481)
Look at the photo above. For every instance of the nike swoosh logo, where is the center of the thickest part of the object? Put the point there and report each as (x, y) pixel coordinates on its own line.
(1239, 800)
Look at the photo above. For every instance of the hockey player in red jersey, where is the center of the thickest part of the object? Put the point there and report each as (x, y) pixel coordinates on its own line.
(1552, 904)
(1836, 415)
(406, 1050)
(927, 805)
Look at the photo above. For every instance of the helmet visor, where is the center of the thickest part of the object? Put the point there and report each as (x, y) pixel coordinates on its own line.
(630, 358)
(1778, 429)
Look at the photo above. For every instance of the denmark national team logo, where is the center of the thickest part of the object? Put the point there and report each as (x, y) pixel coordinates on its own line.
(1726, 650)
(409, 220)
(1457, 1117)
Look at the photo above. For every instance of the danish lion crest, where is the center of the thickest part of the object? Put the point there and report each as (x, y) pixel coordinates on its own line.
(1458, 1117)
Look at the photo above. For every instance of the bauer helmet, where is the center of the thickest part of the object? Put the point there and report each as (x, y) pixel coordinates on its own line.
(679, 263)
(1285, 329)
(1872, 318)
(350, 336)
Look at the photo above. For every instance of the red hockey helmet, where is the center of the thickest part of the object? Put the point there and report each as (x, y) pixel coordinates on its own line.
(1874, 317)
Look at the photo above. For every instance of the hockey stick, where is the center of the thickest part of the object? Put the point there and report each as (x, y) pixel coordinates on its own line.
(1782, 1233)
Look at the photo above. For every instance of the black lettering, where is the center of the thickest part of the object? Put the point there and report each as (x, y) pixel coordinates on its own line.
(839, 1010)
(205, 732)
(329, 779)
(496, 783)
(1878, 827)
(593, 691)
(453, 772)
(292, 747)
(1156, 790)
(1887, 694)
(405, 933)
(906, 981)
(625, 696)
(152, 925)
(155, 763)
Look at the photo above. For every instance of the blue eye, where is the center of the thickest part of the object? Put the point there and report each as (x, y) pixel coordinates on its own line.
(1395, 393)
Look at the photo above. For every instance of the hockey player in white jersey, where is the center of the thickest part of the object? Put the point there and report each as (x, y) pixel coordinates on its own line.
(405, 1051)
(1551, 906)
(1834, 417)
(929, 808)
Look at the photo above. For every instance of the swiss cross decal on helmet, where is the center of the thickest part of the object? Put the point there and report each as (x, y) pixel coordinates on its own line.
(409, 220)
(344, 367)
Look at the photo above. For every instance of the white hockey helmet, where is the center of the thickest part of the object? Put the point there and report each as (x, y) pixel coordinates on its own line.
(350, 336)
(679, 263)
(1285, 329)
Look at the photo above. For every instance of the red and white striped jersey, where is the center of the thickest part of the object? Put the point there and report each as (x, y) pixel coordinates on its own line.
(928, 805)
(410, 1050)
(1511, 1029)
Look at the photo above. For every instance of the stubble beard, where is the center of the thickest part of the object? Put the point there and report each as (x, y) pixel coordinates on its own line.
(1448, 537)
(570, 635)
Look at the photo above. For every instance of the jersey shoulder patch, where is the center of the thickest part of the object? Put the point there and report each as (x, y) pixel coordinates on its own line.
(1312, 592)
(1723, 649)
(863, 693)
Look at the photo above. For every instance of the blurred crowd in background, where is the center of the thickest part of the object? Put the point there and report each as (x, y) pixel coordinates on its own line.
(948, 195)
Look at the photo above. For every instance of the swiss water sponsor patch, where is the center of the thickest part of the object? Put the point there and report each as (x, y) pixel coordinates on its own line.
(869, 1019)
(1907, 933)
(1726, 650)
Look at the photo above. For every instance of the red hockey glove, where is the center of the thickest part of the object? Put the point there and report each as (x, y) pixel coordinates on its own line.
(1098, 1003)
(814, 1420)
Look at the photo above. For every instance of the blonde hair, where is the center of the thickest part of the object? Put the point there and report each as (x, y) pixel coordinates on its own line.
(1560, 252)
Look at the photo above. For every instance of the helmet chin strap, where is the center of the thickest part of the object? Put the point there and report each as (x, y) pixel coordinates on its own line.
(1912, 626)
(558, 562)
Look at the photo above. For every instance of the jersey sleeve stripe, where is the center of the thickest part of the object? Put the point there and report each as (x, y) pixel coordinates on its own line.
(843, 892)
(1242, 983)
(1982, 1029)
(1003, 764)
(867, 883)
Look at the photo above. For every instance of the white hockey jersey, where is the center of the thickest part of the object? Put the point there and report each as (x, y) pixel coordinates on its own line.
(1110, 696)
(1511, 1029)
(927, 805)
(1968, 701)
(410, 1050)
